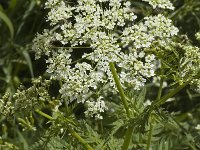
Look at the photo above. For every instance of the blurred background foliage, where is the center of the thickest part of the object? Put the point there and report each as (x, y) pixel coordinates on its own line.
(20, 20)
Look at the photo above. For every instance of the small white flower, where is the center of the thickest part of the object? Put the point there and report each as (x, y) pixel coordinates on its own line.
(197, 127)
(147, 103)
(95, 108)
(165, 4)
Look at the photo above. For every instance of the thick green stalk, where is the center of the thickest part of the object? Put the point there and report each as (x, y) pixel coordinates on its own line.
(119, 88)
(149, 136)
(129, 131)
(80, 139)
(160, 89)
(127, 138)
(74, 134)
(163, 99)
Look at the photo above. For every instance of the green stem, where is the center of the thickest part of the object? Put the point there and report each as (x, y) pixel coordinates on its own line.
(129, 131)
(172, 15)
(149, 136)
(163, 99)
(80, 139)
(43, 114)
(160, 89)
(127, 138)
(119, 88)
(74, 134)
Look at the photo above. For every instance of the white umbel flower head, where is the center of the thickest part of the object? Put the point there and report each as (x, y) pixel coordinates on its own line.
(95, 108)
(107, 31)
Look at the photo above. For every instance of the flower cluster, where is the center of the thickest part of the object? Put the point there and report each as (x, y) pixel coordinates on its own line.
(105, 31)
(153, 28)
(6, 106)
(190, 63)
(80, 82)
(144, 68)
(27, 100)
(95, 108)
(58, 11)
(41, 43)
(164, 4)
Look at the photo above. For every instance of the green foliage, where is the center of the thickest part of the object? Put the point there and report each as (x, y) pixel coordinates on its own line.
(4, 17)
(34, 116)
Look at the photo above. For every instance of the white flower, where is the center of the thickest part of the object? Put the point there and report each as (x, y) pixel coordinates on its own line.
(197, 127)
(59, 11)
(147, 103)
(143, 34)
(165, 4)
(41, 43)
(95, 108)
(108, 34)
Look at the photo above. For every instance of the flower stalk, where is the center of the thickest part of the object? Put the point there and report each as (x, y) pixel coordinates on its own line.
(163, 99)
(125, 103)
(127, 138)
(149, 135)
(119, 88)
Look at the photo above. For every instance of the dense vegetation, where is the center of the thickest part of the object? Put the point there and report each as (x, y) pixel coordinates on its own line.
(54, 95)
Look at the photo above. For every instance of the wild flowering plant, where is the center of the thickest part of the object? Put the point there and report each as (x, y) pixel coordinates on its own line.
(111, 36)
(103, 54)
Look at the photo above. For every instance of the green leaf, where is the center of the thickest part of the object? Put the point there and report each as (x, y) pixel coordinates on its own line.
(28, 59)
(26, 14)
(22, 139)
(57, 143)
(8, 22)
(116, 126)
